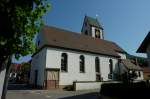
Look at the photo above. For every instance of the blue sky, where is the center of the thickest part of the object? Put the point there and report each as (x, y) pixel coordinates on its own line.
(125, 22)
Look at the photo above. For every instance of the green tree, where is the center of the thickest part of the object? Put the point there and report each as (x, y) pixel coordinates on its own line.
(25, 68)
(19, 21)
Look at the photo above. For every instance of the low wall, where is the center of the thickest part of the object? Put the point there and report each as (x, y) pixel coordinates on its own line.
(87, 85)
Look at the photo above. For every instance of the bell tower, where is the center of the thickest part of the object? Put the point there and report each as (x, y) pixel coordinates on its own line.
(92, 27)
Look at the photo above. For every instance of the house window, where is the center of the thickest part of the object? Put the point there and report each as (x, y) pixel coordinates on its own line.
(139, 74)
(97, 33)
(82, 64)
(97, 65)
(111, 66)
(64, 61)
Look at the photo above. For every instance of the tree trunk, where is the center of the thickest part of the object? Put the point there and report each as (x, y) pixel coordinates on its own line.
(7, 66)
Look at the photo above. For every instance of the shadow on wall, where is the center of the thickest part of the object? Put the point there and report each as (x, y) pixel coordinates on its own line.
(18, 87)
(93, 95)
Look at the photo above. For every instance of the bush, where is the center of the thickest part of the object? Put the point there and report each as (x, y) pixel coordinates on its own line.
(123, 90)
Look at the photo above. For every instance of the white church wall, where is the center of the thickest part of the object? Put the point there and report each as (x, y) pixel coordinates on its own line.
(53, 60)
(122, 55)
(101, 34)
(148, 54)
(38, 63)
(93, 31)
(87, 85)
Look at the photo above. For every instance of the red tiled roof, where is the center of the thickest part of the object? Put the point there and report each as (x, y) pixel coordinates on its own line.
(146, 69)
(129, 65)
(56, 37)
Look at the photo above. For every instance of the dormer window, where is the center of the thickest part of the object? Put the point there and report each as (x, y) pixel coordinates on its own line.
(97, 33)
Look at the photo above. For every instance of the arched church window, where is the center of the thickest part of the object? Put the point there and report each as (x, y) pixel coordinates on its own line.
(111, 66)
(64, 62)
(97, 65)
(82, 64)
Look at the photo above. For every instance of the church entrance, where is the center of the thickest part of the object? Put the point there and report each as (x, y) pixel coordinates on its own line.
(52, 78)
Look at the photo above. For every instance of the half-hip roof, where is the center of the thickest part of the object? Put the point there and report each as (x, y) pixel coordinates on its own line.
(129, 65)
(59, 38)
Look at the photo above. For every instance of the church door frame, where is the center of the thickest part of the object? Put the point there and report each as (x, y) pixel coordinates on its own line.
(51, 78)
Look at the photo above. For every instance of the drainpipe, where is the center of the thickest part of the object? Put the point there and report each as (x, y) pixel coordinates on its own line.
(136, 61)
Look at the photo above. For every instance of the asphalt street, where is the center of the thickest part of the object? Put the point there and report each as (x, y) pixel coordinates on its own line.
(52, 94)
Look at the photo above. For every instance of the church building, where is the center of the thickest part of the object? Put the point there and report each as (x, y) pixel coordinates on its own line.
(64, 57)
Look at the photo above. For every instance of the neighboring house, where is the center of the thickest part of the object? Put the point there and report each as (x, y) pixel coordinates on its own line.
(64, 57)
(137, 60)
(19, 73)
(146, 73)
(15, 68)
(145, 47)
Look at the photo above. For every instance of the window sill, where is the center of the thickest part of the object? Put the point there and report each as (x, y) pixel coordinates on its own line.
(64, 71)
(82, 72)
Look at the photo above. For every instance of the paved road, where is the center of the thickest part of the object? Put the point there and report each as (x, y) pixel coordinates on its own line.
(51, 94)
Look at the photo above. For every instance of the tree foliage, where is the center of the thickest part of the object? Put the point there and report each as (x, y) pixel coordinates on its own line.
(25, 68)
(20, 20)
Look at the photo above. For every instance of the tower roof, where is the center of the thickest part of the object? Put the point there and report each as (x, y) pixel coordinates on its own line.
(93, 21)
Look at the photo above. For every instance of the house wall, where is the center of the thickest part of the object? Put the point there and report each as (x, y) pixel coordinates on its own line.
(123, 69)
(93, 32)
(38, 63)
(141, 77)
(2, 77)
(53, 60)
(148, 54)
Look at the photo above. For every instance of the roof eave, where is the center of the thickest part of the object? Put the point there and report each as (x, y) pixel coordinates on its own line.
(117, 56)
